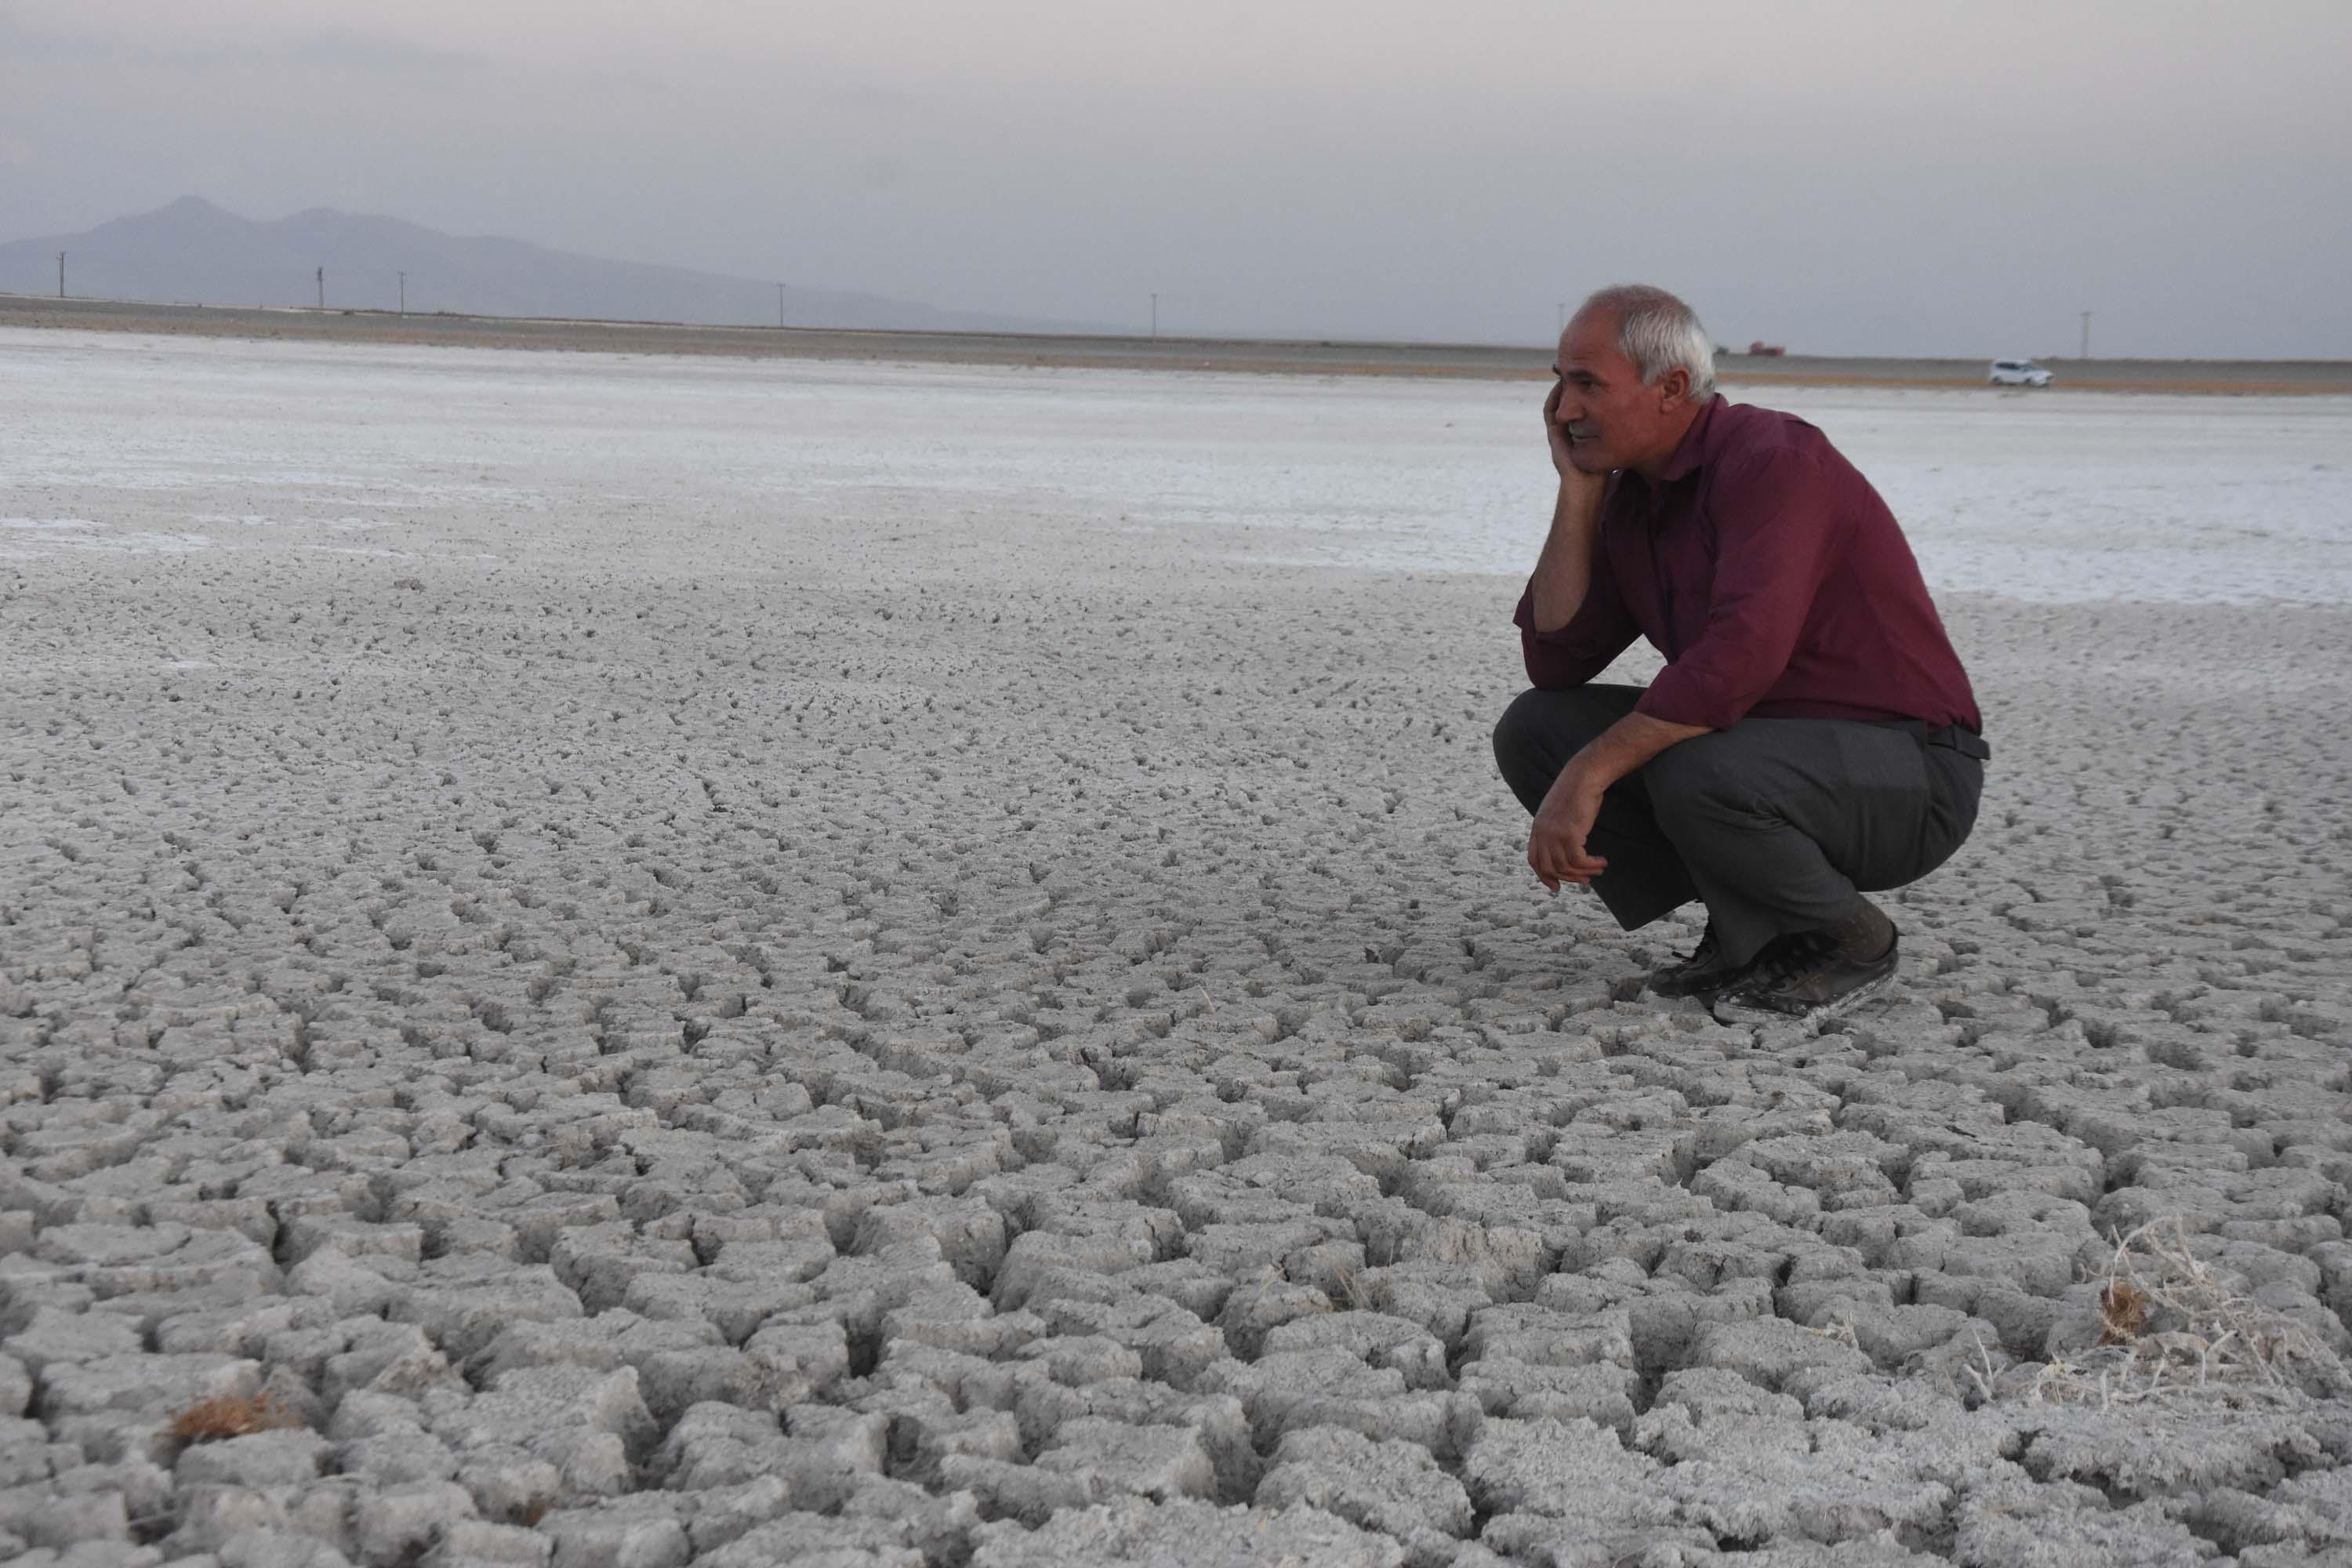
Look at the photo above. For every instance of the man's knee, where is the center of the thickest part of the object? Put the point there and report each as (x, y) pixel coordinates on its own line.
(1557, 724)
(1523, 752)
(1542, 729)
(1518, 731)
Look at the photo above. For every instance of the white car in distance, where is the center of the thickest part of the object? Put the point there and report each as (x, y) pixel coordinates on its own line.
(2017, 372)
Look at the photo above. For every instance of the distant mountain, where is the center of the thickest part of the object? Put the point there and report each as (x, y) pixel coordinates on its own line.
(191, 251)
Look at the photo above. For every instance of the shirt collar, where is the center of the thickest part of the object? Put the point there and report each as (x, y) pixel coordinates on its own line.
(1690, 453)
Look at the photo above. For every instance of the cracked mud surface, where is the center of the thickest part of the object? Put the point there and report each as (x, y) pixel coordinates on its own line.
(648, 1016)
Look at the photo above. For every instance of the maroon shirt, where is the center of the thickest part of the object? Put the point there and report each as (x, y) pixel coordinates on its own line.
(1772, 578)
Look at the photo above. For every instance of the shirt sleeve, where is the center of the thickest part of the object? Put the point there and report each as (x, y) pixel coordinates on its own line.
(1600, 629)
(1776, 522)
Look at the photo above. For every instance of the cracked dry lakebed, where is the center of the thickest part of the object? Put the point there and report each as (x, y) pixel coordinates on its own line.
(619, 961)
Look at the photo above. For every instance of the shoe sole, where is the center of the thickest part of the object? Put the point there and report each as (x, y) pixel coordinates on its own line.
(1732, 1012)
(1707, 991)
(1673, 993)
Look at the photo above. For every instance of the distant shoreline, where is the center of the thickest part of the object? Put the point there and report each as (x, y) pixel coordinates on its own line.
(1301, 357)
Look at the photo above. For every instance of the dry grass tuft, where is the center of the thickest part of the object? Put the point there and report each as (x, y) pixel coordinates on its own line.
(1352, 1292)
(1840, 1329)
(231, 1415)
(2122, 1307)
(2173, 1326)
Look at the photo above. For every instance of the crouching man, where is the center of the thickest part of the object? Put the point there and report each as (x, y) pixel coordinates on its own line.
(1813, 736)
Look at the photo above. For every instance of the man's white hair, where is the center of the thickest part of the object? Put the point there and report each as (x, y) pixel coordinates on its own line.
(1658, 333)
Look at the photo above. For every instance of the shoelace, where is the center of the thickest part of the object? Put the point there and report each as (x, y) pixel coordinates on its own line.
(1798, 956)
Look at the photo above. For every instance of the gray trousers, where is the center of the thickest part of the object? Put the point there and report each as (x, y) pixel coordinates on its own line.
(1778, 824)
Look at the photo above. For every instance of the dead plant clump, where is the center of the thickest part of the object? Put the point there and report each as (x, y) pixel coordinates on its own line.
(2170, 1325)
(2123, 1312)
(231, 1415)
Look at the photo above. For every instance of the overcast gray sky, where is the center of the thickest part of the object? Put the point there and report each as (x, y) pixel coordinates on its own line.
(1890, 177)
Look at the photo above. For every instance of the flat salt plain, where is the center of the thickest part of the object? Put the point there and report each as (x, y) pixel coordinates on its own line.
(791, 961)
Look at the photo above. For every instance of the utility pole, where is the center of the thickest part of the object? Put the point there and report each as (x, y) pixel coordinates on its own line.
(61, 274)
(780, 305)
(2087, 334)
(323, 288)
(404, 293)
(1155, 313)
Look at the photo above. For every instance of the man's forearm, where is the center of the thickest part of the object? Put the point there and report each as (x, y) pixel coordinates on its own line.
(1559, 845)
(1564, 570)
(1627, 746)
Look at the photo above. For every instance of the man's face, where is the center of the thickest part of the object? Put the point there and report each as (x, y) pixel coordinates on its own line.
(1613, 421)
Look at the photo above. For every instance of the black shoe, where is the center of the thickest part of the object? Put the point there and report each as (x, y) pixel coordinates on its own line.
(1702, 975)
(1804, 980)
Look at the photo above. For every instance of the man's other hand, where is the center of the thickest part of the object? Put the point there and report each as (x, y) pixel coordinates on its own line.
(1556, 434)
(1555, 850)
(1563, 451)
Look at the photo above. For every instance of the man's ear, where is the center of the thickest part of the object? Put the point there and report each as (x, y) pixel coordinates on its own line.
(1673, 387)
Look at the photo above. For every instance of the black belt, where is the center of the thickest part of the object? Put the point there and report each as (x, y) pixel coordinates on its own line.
(1959, 738)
